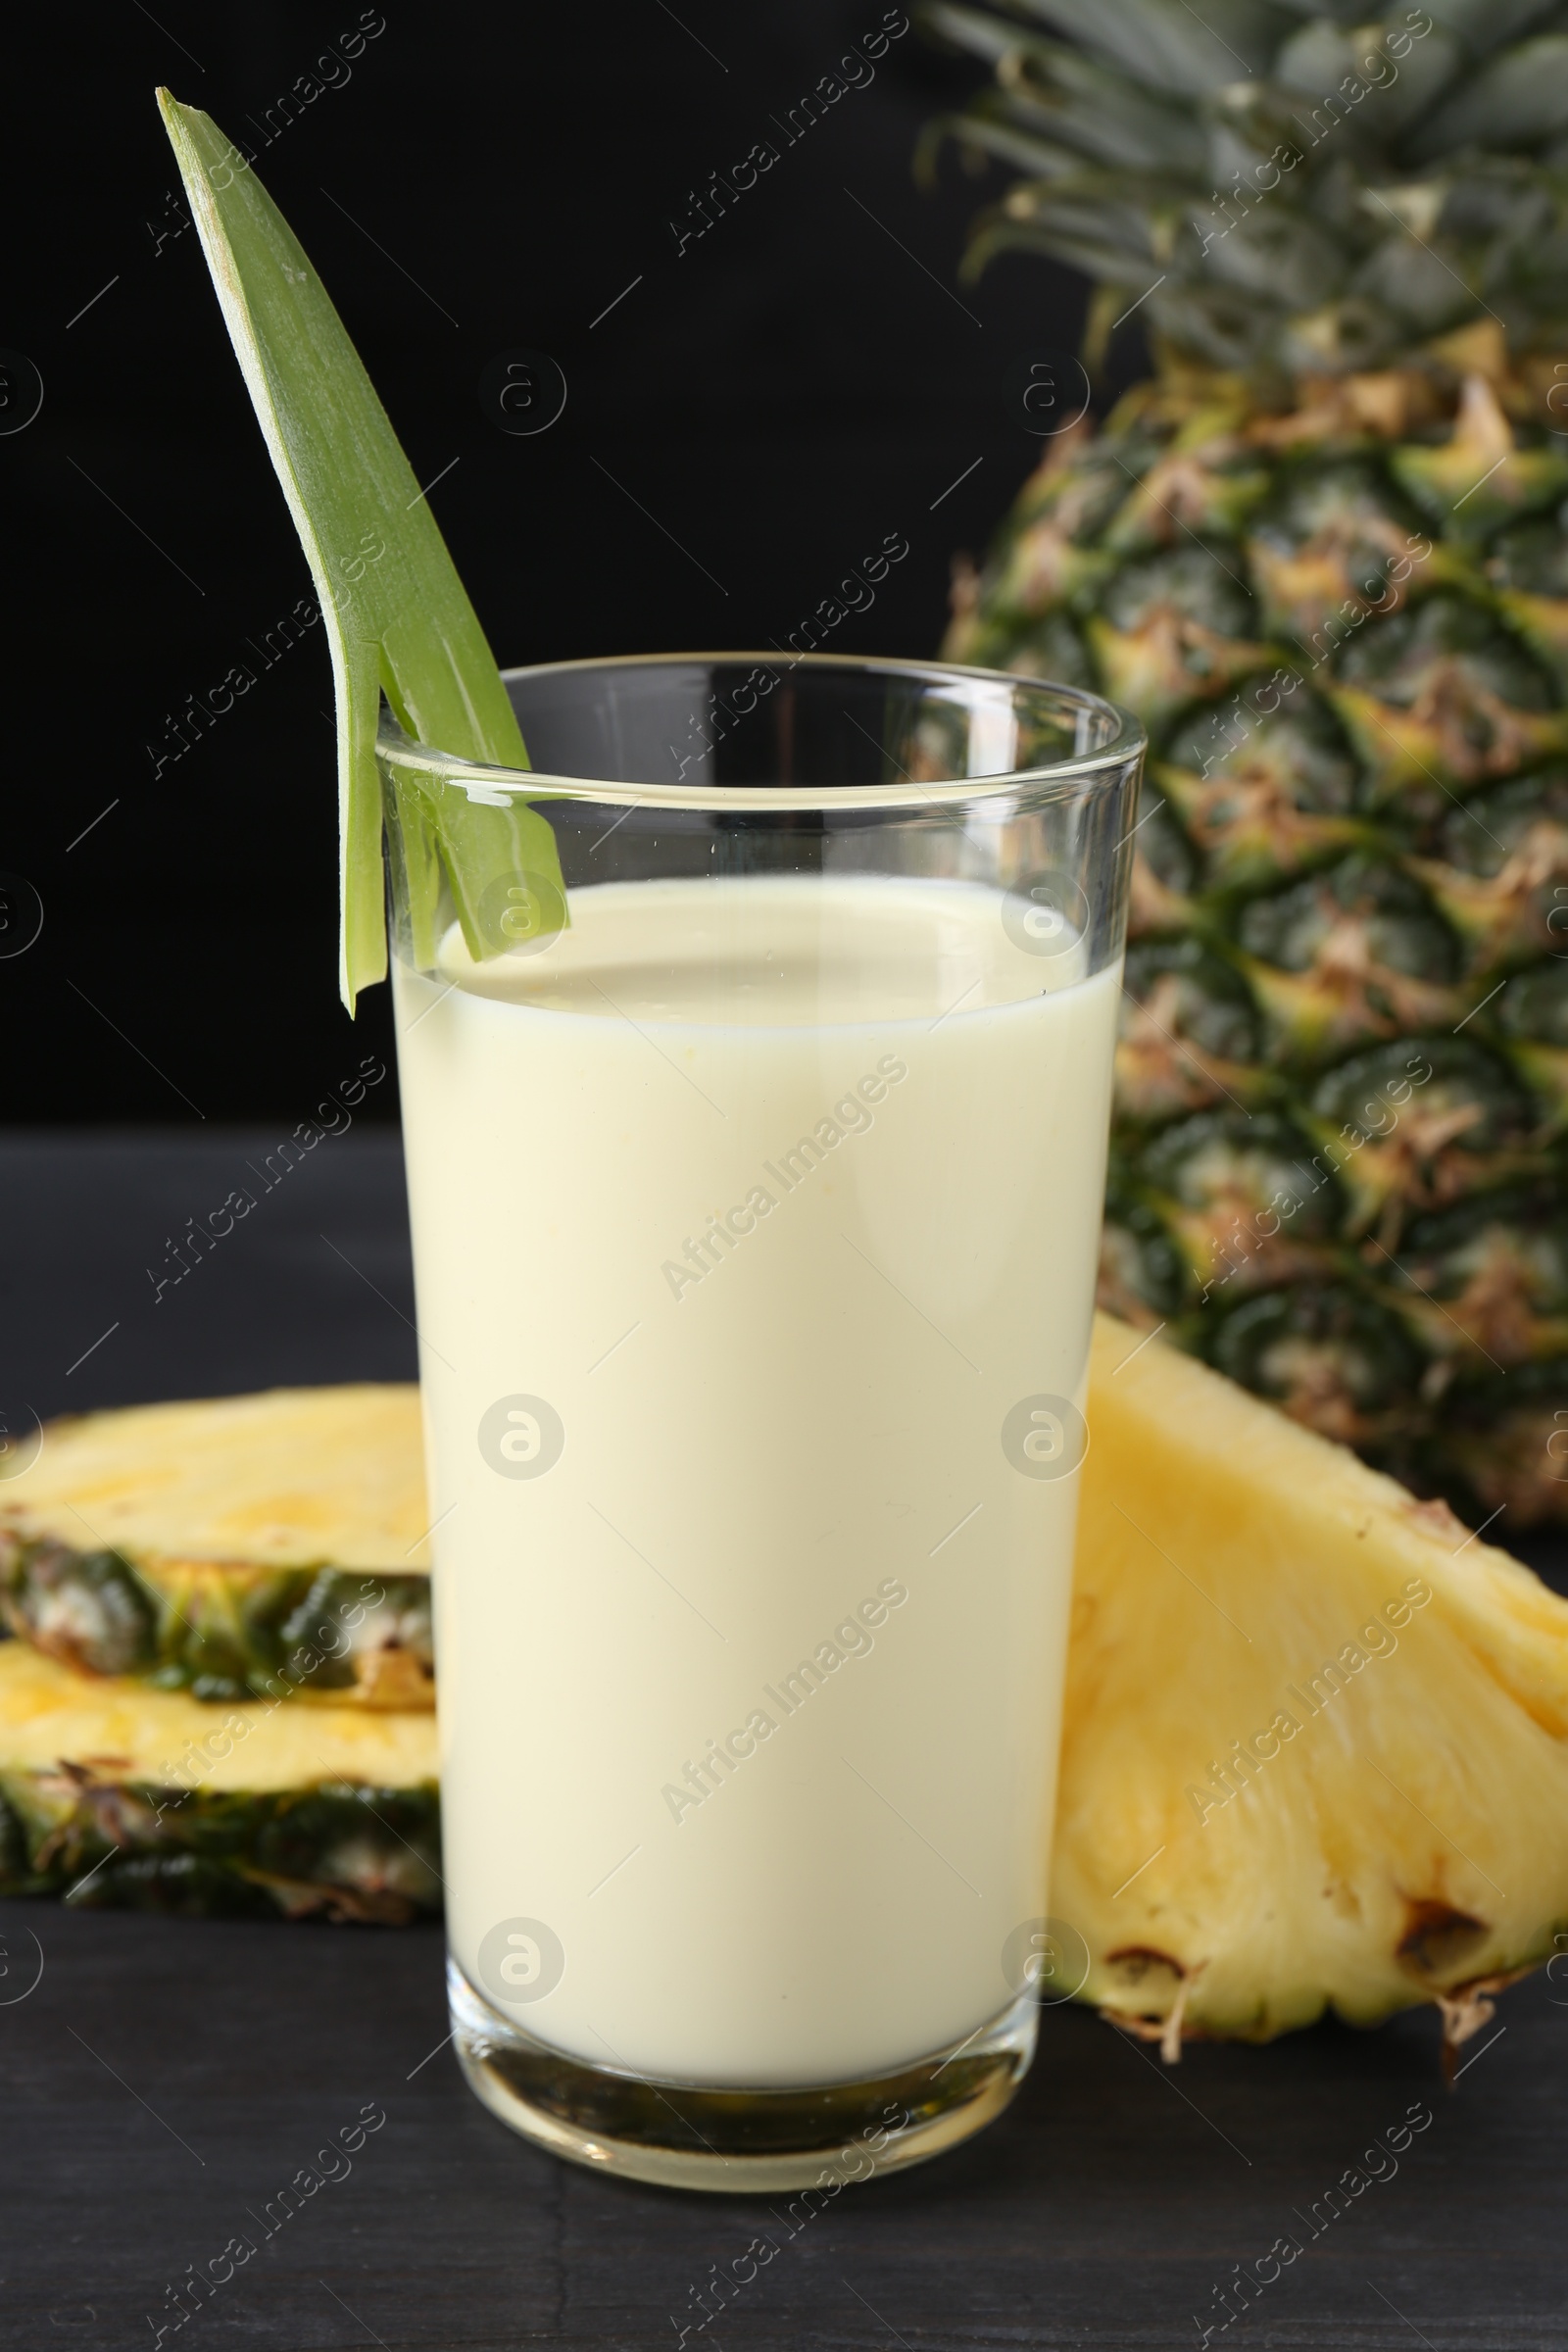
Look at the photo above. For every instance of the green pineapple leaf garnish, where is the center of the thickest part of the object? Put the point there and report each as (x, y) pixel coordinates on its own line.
(398, 617)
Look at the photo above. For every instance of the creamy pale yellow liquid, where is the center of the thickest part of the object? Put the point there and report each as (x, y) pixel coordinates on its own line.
(750, 1454)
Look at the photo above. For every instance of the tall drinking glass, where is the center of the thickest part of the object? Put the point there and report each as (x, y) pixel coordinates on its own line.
(756, 1051)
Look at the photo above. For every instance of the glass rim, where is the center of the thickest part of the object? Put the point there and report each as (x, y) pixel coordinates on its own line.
(1058, 779)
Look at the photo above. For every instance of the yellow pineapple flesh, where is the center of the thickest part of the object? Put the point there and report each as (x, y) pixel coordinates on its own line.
(1315, 1752)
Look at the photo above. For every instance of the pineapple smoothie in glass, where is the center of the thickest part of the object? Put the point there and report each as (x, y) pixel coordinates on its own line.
(755, 1183)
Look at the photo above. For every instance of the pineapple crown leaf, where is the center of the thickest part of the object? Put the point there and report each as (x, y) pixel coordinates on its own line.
(1290, 190)
(1516, 100)
(1169, 48)
(1486, 24)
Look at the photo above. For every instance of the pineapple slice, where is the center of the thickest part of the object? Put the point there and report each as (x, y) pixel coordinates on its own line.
(116, 1795)
(268, 1545)
(1316, 1737)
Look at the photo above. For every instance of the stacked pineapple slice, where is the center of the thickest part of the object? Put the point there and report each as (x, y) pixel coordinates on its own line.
(1322, 553)
(220, 1698)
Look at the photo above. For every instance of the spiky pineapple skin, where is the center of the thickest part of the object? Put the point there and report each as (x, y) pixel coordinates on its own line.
(223, 1630)
(335, 1852)
(1337, 1166)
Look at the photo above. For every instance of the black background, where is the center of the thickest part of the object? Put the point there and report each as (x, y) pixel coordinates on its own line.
(797, 384)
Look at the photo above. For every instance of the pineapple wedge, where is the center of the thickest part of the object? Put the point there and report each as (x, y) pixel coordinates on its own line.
(1316, 1735)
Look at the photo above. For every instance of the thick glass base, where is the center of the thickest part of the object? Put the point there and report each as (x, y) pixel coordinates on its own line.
(746, 2142)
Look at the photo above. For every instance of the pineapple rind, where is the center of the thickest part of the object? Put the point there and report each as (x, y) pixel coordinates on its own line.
(1441, 927)
(224, 1630)
(1422, 1789)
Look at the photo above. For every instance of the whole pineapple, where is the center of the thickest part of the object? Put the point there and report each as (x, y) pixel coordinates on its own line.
(1323, 554)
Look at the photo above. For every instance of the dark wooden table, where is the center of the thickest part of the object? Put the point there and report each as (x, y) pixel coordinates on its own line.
(163, 2080)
